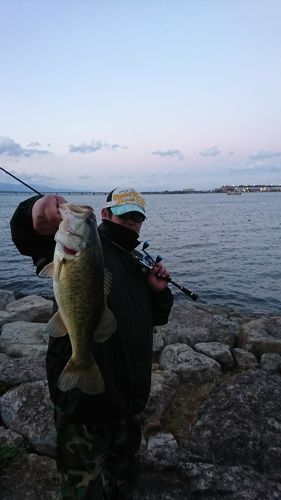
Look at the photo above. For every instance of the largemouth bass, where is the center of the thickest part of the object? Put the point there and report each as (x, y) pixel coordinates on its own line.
(81, 286)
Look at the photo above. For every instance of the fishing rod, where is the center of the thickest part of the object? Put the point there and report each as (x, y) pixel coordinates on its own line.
(149, 262)
(146, 260)
(24, 183)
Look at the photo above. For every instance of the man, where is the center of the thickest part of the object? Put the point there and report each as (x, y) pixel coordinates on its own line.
(99, 436)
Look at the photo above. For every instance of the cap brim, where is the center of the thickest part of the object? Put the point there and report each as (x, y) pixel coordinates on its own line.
(123, 209)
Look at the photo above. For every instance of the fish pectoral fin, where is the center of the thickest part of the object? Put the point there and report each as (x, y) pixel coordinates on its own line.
(88, 380)
(106, 326)
(47, 271)
(56, 326)
(107, 282)
(58, 269)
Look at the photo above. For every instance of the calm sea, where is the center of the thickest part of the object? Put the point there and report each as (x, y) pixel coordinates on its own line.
(225, 248)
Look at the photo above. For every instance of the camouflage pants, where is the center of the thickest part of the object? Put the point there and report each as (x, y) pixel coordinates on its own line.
(98, 462)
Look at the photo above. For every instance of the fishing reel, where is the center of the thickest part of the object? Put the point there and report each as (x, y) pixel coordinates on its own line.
(145, 259)
(147, 263)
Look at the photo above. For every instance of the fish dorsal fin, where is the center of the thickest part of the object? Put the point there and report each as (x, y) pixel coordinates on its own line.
(106, 326)
(47, 271)
(56, 326)
(107, 282)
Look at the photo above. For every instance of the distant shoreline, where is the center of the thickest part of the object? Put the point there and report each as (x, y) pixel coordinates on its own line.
(98, 193)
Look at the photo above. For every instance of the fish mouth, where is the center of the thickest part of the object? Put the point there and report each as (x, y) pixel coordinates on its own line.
(70, 251)
(79, 209)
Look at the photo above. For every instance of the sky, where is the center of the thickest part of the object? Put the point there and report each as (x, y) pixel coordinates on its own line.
(151, 94)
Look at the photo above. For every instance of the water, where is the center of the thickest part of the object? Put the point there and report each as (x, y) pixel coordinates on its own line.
(225, 248)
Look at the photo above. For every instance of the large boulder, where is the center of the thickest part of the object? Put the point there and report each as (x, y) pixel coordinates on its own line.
(192, 324)
(190, 366)
(28, 410)
(23, 338)
(171, 475)
(215, 482)
(30, 477)
(244, 360)
(261, 335)
(240, 424)
(22, 370)
(31, 308)
(220, 352)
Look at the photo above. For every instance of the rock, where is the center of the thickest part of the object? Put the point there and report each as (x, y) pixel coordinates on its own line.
(240, 424)
(190, 316)
(188, 336)
(28, 411)
(188, 364)
(191, 325)
(4, 359)
(244, 360)
(261, 335)
(10, 438)
(163, 388)
(158, 343)
(270, 362)
(23, 338)
(19, 371)
(156, 487)
(162, 441)
(6, 317)
(158, 450)
(30, 477)
(214, 482)
(32, 308)
(174, 476)
(220, 352)
(184, 321)
(5, 298)
(208, 435)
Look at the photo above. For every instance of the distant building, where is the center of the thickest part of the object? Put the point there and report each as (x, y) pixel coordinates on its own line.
(250, 188)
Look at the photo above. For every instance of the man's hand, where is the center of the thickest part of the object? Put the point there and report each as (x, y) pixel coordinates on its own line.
(157, 278)
(45, 214)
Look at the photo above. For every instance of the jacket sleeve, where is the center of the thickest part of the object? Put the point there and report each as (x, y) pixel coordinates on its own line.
(27, 240)
(161, 306)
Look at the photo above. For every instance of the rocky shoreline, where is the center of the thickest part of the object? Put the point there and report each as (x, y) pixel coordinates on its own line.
(212, 427)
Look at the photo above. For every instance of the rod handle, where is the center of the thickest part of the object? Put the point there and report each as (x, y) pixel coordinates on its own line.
(187, 292)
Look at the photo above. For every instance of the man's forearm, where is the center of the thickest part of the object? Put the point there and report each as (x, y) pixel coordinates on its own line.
(26, 239)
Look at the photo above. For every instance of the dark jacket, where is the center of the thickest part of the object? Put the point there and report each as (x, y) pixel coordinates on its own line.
(125, 359)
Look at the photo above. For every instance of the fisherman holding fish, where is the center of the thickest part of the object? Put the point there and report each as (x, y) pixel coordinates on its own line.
(100, 349)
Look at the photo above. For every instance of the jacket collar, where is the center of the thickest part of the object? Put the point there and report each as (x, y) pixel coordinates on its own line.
(121, 235)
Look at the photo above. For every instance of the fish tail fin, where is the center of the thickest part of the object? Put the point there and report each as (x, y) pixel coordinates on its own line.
(88, 379)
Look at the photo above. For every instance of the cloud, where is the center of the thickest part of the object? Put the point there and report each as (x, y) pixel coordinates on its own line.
(33, 144)
(93, 147)
(263, 155)
(212, 151)
(257, 168)
(170, 153)
(9, 147)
